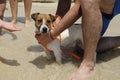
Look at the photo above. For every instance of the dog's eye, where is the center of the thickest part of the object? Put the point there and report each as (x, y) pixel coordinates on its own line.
(40, 20)
(48, 21)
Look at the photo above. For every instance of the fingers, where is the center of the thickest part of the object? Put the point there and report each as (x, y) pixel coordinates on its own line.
(40, 38)
(13, 29)
(43, 39)
(14, 26)
(36, 32)
(37, 36)
(17, 28)
(10, 27)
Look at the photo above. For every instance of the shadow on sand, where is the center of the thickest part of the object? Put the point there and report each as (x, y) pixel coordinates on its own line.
(9, 62)
(19, 19)
(108, 55)
(41, 61)
(35, 48)
(14, 37)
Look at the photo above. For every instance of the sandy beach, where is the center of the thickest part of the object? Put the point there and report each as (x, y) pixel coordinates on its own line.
(22, 58)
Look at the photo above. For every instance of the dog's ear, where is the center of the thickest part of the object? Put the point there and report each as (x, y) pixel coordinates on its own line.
(34, 16)
(52, 17)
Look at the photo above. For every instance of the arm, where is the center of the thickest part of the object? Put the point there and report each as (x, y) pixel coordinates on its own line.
(72, 15)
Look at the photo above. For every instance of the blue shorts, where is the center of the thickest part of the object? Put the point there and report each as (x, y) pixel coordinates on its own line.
(108, 17)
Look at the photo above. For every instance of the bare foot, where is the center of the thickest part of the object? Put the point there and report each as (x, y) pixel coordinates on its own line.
(85, 71)
(27, 23)
(14, 21)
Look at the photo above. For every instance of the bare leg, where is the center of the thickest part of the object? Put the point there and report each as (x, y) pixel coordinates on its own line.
(92, 25)
(14, 10)
(27, 4)
(2, 9)
(62, 11)
(104, 44)
(107, 43)
(109, 40)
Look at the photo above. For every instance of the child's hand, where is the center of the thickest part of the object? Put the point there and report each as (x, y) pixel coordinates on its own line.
(9, 26)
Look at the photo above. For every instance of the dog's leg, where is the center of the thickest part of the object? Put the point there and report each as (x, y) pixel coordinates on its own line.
(49, 57)
(58, 56)
(55, 46)
(58, 53)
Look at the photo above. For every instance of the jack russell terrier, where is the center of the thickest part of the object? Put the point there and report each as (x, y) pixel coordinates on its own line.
(68, 38)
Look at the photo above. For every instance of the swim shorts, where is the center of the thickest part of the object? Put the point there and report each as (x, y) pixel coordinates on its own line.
(108, 17)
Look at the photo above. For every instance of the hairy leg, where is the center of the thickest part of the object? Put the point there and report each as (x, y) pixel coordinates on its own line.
(2, 9)
(104, 44)
(107, 6)
(92, 25)
(28, 5)
(107, 43)
(14, 10)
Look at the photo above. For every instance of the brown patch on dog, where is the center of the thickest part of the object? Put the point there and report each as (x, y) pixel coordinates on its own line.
(40, 19)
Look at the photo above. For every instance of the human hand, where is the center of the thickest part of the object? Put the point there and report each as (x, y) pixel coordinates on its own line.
(43, 39)
(9, 26)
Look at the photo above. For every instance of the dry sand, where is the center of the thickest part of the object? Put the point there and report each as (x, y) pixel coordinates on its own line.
(22, 58)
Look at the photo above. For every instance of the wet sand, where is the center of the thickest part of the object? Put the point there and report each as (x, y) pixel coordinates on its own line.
(22, 58)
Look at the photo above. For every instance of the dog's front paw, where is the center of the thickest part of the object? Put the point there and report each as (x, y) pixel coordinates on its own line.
(59, 61)
(49, 57)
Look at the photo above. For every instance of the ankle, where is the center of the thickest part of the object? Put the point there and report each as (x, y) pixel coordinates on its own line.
(27, 21)
(88, 63)
(14, 21)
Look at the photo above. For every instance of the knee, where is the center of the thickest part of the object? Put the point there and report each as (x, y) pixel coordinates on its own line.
(87, 4)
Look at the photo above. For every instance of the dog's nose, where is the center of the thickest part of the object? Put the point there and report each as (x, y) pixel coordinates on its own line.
(44, 30)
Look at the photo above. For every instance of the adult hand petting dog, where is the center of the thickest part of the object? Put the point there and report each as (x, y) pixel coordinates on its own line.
(43, 39)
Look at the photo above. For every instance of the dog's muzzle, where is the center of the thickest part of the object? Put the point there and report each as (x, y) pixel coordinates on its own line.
(44, 29)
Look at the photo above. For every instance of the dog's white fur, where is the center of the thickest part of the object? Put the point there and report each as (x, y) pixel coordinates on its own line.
(69, 38)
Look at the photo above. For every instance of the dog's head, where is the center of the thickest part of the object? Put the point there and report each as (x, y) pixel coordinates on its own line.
(43, 22)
